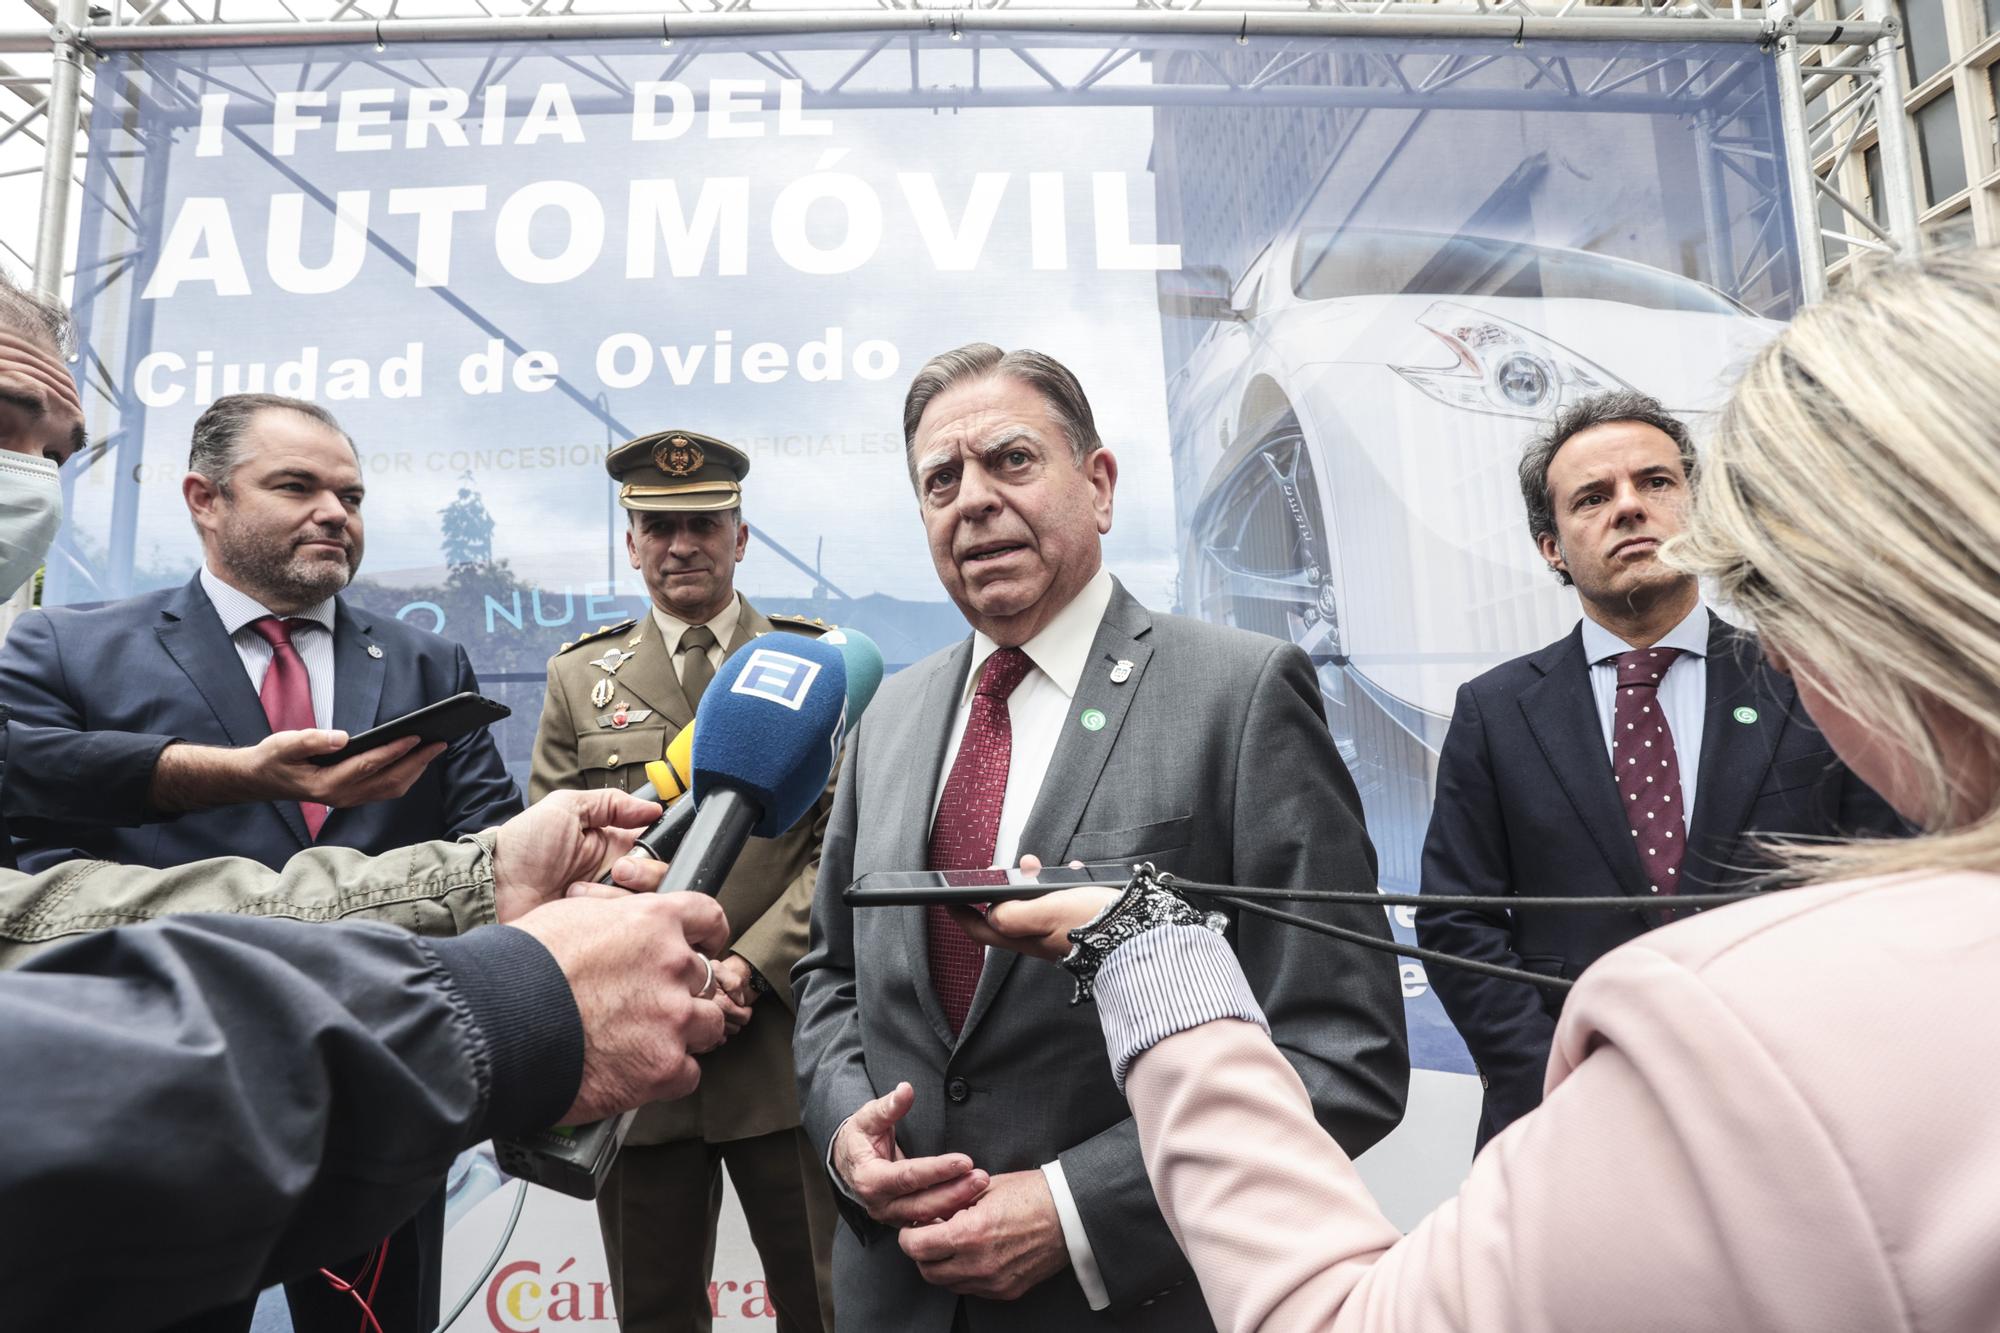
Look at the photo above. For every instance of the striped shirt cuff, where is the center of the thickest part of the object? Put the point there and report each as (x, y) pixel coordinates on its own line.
(1168, 980)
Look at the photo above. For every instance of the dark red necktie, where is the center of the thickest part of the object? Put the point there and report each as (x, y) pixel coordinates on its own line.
(968, 823)
(1648, 770)
(287, 694)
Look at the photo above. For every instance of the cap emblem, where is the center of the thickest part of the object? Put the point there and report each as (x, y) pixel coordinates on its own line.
(678, 456)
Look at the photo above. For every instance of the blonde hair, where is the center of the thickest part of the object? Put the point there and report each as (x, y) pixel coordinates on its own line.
(1850, 510)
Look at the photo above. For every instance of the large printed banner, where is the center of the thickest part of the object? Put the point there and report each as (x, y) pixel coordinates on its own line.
(1320, 292)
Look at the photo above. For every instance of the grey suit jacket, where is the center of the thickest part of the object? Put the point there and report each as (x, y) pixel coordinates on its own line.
(1214, 763)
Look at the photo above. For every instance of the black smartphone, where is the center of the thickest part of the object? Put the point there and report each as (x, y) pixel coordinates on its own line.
(922, 888)
(445, 720)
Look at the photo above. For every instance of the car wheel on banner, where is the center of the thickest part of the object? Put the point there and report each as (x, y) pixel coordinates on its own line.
(1262, 558)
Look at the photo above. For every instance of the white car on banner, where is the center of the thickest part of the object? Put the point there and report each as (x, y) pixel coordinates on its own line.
(1345, 441)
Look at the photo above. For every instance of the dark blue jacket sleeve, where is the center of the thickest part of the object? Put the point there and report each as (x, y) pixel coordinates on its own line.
(478, 791)
(199, 1107)
(62, 772)
(1503, 1023)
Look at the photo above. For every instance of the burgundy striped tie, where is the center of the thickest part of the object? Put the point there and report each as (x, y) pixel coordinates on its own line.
(287, 694)
(968, 824)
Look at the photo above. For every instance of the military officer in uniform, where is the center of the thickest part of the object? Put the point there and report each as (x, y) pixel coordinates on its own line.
(615, 699)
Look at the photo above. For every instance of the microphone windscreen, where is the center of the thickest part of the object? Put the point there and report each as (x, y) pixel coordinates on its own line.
(864, 668)
(676, 767)
(771, 725)
(662, 783)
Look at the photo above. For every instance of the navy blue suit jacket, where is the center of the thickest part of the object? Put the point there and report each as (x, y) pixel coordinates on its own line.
(1526, 805)
(96, 695)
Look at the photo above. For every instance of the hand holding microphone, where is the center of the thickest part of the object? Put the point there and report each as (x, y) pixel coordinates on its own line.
(565, 837)
(772, 727)
(634, 967)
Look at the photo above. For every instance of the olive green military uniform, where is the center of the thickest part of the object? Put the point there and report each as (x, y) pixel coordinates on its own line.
(614, 702)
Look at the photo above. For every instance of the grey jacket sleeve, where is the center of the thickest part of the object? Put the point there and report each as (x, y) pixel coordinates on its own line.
(199, 1107)
(433, 888)
(1335, 1011)
(826, 1041)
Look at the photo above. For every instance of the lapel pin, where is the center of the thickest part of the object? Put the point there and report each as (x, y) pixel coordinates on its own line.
(1122, 672)
(633, 642)
(600, 693)
(611, 661)
(374, 652)
(1745, 715)
(1092, 719)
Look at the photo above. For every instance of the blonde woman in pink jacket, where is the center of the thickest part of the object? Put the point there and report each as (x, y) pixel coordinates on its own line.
(1783, 1115)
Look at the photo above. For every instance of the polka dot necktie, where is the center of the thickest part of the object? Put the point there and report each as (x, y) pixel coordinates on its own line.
(968, 824)
(287, 694)
(1648, 770)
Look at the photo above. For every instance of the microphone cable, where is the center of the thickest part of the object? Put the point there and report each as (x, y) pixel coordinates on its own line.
(492, 1261)
(1255, 901)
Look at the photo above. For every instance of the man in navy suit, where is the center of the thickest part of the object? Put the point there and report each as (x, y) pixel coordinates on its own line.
(1648, 753)
(185, 721)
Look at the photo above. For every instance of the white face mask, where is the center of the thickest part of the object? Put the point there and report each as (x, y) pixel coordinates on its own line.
(31, 509)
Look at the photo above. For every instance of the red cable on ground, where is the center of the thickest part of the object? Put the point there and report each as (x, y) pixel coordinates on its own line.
(377, 1261)
(368, 1306)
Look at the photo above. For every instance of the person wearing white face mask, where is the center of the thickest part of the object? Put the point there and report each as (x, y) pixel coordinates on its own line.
(31, 509)
(41, 424)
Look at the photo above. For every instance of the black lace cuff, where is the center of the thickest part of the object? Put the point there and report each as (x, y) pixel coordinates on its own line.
(1148, 903)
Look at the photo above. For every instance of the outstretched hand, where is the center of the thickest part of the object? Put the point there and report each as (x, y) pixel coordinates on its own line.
(1037, 927)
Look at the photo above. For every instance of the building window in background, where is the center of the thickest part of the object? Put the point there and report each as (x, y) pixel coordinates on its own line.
(1926, 49)
(1941, 148)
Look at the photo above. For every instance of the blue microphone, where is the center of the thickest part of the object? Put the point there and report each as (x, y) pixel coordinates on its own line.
(772, 722)
(863, 661)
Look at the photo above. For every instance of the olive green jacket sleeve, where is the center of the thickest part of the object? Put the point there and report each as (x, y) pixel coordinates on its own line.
(433, 888)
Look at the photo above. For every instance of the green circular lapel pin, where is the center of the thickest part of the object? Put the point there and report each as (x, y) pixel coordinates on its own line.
(1092, 719)
(1746, 715)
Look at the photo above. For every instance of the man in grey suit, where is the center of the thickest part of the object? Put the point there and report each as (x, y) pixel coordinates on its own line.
(989, 1169)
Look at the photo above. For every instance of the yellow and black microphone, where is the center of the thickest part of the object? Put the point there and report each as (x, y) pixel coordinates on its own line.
(670, 775)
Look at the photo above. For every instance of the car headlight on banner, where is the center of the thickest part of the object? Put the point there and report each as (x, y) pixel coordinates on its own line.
(1502, 368)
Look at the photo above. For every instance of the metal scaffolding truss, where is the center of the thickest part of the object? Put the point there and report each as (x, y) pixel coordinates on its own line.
(1838, 104)
(1835, 78)
(1840, 90)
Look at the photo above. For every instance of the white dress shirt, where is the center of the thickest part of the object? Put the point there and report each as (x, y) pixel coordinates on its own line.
(724, 625)
(1683, 691)
(314, 642)
(1036, 712)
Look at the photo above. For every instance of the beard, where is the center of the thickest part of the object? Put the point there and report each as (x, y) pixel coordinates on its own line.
(286, 577)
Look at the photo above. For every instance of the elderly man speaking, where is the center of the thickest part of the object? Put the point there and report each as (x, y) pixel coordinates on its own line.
(956, 1096)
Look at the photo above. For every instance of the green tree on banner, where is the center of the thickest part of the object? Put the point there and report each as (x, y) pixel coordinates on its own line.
(468, 529)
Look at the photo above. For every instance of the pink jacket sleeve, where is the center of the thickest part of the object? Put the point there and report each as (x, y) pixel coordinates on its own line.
(1675, 1178)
